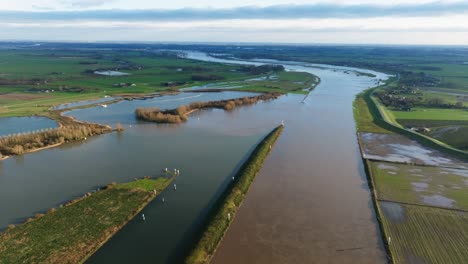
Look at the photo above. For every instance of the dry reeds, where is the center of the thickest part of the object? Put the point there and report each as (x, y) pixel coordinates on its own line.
(179, 114)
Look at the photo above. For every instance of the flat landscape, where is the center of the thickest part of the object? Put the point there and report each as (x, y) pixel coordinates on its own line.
(94, 104)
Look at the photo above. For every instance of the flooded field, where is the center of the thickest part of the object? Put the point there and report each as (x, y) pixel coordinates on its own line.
(397, 148)
(426, 185)
(13, 125)
(111, 73)
(83, 103)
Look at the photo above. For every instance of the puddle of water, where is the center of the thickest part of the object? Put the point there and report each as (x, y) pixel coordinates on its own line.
(397, 148)
(459, 172)
(393, 211)
(438, 200)
(83, 103)
(384, 166)
(111, 73)
(419, 186)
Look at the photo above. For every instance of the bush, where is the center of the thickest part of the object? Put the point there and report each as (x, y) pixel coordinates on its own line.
(119, 127)
(17, 150)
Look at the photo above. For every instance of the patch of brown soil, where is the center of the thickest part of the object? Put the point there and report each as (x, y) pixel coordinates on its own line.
(22, 96)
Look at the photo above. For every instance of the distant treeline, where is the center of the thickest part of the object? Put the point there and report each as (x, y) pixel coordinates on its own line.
(262, 69)
(179, 114)
(209, 77)
(19, 144)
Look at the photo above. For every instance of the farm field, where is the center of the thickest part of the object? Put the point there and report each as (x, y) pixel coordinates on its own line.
(418, 234)
(425, 185)
(421, 209)
(432, 114)
(32, 81)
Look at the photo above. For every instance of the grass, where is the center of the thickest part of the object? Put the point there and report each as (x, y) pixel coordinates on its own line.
(421, 113)
(219, 222)
(385, 119)
(365, 121)
(72, 233)
(398, 182)
(456, 136)
(296, 82)
(59, 70)
(427, 235)
(62, 69)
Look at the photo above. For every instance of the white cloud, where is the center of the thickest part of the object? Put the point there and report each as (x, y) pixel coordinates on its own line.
(447, 23)
(424, 29)
(38, 5)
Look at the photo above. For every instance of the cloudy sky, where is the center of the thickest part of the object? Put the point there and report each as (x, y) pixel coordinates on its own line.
(281, 21)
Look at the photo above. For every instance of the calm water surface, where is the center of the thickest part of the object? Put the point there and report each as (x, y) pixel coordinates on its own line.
(124, 111)
(13, 125)
(309, 204)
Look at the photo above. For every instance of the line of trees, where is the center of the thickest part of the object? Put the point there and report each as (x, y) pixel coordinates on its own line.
(179, 114)
(19, 144)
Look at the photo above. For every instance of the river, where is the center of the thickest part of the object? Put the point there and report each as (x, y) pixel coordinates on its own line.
(310, 203)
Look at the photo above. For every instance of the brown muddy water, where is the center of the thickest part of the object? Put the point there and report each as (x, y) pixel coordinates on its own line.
(310, 203)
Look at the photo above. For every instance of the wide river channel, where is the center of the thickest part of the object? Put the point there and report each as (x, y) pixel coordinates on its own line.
(309, 204)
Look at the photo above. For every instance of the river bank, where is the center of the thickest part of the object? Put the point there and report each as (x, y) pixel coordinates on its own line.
(226, 208)
(80, 227)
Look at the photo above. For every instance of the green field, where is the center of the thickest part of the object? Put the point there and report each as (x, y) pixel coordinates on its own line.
(31, 81)
(219, 222)
(70, 234)
(284, 82)
(421, 234)
(432, 186)
(453, 76)
(432, 114)
(364, 120)
(447, 125)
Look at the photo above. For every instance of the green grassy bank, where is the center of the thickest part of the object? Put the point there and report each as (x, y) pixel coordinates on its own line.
(75, 231)
(219, 223)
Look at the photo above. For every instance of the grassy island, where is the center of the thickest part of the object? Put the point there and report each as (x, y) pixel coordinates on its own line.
(180, 114)
(225, 210)
(75, 231)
